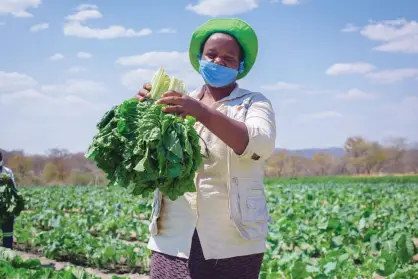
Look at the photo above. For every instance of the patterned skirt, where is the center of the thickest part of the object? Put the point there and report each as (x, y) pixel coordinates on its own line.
(196, 267)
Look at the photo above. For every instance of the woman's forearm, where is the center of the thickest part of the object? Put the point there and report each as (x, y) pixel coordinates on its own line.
(232, 132)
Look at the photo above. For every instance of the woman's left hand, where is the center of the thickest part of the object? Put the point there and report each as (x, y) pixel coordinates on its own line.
(182, 104)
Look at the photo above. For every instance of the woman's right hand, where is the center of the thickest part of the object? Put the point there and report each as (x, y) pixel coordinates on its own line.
(144, 92)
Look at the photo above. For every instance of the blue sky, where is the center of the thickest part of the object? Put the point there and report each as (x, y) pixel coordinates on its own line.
(332, 69)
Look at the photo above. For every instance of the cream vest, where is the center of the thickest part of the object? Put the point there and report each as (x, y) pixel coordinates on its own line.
(247, 199)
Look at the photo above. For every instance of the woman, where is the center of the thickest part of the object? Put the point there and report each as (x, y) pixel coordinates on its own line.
(219, 231)
(7, 227)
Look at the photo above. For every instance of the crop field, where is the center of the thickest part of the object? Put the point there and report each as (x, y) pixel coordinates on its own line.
(320, 230)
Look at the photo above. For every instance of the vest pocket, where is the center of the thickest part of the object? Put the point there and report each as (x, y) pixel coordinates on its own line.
(254, 210)
(249, 208)
(252, 202)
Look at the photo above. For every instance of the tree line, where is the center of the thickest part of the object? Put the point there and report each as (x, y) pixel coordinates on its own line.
(57, 167)
(359, 156)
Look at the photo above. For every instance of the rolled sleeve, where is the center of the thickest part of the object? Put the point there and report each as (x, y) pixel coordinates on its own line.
(261, 126)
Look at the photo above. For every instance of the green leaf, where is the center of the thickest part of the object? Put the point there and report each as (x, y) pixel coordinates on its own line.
(330, 267)
(312, 269)
(362, 223)
(389, 264)
(299, 270)
(405, 248)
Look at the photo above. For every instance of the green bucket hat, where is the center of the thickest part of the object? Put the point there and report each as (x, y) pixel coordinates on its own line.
(237, 28)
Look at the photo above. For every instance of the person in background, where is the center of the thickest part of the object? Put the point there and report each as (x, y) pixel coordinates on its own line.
(219, 231)
(7, 227)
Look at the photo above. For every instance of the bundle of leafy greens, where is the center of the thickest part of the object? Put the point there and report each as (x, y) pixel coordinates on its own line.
(142, 148)
(11, 202)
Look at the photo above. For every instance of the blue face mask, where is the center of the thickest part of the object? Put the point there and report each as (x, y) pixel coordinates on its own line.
(217, 75)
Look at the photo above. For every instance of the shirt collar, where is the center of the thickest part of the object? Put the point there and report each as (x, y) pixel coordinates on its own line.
(237, 92)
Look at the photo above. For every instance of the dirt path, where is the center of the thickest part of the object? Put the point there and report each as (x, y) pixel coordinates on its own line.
(61, 265)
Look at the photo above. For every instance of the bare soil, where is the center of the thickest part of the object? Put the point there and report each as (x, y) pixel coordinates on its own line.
(60, 265)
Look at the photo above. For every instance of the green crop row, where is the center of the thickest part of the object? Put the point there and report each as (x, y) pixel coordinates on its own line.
(326, 229)
(13, 266)
(407, 179)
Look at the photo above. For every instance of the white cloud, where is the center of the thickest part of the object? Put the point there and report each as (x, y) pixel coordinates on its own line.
(39, 27)
(291, 2)
(41, 112)
(12, 81)
(115, 31)
(223, 7)
(28, 94)
(356, 94)
(49, 102)
(353, 68)
(167, 59)
(393, 76)
(56, 57)
(73, 99)
(281, 86)
(75, 70)
(81, 86)
(22, 14)
(75, 87)
(17, 8)
(403, 116)
(49, 105)
(85, 15)
(349, 28)
(74, 27)
(84, 55)
(49, 88)
(167, 31)
(174, 63)
(325, 114)
(289, 101)
(24, 85)
(45, 121)
(86, 7)
(320, 115)
(398, 35)
(318, 92)
(2, 23)
(134, 79)
(287, 2)
(408, 103)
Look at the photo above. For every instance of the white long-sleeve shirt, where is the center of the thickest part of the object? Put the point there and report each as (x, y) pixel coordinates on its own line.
(207, 208)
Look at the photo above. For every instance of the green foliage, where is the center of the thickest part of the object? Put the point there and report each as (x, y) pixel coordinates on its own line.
(11, 202)
(345, 179)
(342, 230)
(101, 227)
(14, 267)
(142, 148)
(327, 230)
